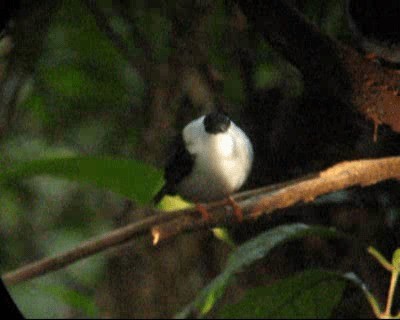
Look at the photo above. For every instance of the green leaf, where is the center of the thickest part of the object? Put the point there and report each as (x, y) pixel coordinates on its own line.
(381, 259)
(223, 235)
(74, 299)
(130, 178)
(311, 294)
(396, 259)
(171, 203)
(248, 253)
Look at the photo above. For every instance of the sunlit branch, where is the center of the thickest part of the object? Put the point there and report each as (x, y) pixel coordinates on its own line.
(165, 225)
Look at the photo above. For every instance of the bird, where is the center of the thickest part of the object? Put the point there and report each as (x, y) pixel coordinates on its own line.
(211, 159)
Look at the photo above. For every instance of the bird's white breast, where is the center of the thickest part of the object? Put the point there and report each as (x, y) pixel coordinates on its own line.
(222, 162)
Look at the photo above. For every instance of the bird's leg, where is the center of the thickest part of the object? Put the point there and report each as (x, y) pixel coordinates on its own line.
(237, 210)
(371, 56)
(205, 215)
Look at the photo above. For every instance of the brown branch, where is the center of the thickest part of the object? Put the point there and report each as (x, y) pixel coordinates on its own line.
(86, 249)
(338, 177)
(164, 225)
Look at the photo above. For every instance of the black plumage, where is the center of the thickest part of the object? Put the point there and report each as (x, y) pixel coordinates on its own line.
(181, 162)
(210, 159)
(179, 165)
(216, 122)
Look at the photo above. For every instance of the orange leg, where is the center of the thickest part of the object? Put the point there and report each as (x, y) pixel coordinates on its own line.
(371, 56)
(205, 215)
(237, 210)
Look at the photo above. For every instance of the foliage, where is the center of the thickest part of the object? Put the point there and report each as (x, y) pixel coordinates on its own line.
(77, 150)
(128, 177)
(251, 251)
(309, 295)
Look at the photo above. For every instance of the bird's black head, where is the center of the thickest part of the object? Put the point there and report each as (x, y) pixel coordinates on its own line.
(216, 122)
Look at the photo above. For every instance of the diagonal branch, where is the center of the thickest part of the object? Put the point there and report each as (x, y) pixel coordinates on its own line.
(300, 42)
(137, 35)
(22, 48)
(164, 225)
(338, 177)
(103, 23)
(86, 249)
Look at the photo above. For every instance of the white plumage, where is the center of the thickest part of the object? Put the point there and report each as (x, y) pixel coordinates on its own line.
(222, 161)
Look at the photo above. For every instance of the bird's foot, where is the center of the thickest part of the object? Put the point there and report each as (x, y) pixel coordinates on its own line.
(237, 210)
(372, 57)
(205, 215)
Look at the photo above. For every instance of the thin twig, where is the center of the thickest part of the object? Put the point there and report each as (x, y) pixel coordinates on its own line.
(138, 36)
(103, 23)
(9, 90)
(86, 249)
(389, 302)
(164, 225)
(380, 258)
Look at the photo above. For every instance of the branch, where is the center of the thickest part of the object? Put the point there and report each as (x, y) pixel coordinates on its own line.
(103, 23)
(25, 46)
(86, 249)
(138, 37)
(9, 90)
(254, 203)
(338, 177)
(300, 42)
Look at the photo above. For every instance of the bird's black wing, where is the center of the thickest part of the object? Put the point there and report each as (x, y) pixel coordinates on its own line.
(179, 165)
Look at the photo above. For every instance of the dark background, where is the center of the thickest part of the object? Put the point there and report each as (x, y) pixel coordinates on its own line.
(120, 78)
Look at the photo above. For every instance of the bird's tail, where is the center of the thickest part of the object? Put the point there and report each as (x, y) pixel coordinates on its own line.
(160, 194)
